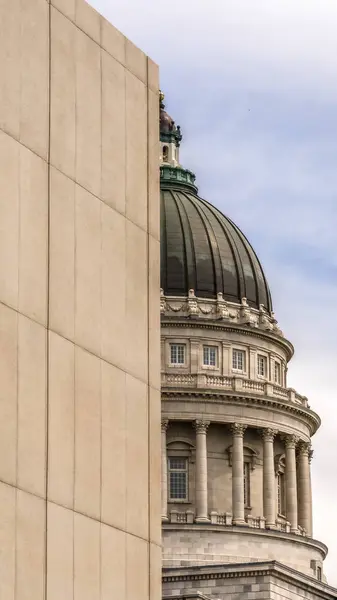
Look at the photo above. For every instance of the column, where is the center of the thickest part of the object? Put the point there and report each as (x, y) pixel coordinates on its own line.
(164, 426)
(310, 532)
(238, 504)
(201, 471)
(291, 481)
(269, 500)
(303, 481)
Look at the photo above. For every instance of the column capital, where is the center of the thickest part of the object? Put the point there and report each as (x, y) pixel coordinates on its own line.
(304, 448)
(164, 424)
(268, 434)
(201, 426)
(290, 441)
(238, 429)
(311, 454)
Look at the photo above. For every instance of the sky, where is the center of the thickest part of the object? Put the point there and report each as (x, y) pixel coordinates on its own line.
(253, 85)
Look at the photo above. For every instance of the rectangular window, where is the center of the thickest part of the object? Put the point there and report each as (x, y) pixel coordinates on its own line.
(178, 478)
(178, 354)
(261, 365)
(210, 356)
(319, 573)
(280, 494)
(277, 373)
(239, 360)
(246, 484)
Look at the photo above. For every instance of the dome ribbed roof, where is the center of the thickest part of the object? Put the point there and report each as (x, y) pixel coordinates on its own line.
(203, 250)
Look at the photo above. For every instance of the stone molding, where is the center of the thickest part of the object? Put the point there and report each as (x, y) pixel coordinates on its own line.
(236, 571)
(219, 309)
(238, 429)
(307, 416)
(201, 426)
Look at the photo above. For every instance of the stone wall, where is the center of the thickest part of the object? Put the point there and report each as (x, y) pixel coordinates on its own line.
(201, 545)
(79, 308)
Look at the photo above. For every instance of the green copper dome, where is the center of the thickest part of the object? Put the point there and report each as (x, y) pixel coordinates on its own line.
(202, 249)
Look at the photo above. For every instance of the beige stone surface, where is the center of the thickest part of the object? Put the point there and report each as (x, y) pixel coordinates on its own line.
(61, 421)
(63, 93)
(62, 254)
(32, 404)
(60, 548)
(79, 423)
(155, 572)
(135, 61)
(136, 150)
(136, 301)
(87, 270)
(9, 220)
(113, 303)
(137, 561)
(153, 171)
(87, 433)
(86, 558)
(88, 19)
(113, 563)
(137, 452)
(7, 541)
(113, 41)
(8, 394)
(88, 113)
(113, 133)
(30, 547)
(33, 239)
(114, 439)
(153, 78)
(34, 76)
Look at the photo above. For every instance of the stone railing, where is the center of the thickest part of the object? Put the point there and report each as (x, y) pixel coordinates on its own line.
(226, 519)
(234, 383)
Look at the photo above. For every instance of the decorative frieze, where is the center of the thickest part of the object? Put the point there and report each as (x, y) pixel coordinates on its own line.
(219, 309)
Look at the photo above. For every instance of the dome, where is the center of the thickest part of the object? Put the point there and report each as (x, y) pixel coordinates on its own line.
(203, 250)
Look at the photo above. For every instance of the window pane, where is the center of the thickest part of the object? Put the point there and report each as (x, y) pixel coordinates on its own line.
(238, 360)
(210, 355)
(261, 365)
(178, 354)
(277, 372)
(178, 478)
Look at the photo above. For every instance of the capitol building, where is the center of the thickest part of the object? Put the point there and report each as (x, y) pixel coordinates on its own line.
(236, 440)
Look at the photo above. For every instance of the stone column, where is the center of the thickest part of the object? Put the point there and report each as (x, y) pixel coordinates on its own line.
(269, 500)
(303, 481)
(164, 426)
(291, 481)
(238, 504)
(310, 533)
(201, 493)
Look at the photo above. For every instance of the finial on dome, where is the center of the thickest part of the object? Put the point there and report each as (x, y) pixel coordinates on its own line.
(161, 99)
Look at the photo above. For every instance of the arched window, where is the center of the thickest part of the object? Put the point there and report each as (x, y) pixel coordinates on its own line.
(178, 470)
(165, 153)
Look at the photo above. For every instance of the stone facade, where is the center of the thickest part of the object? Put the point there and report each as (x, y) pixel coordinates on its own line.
(79, 278)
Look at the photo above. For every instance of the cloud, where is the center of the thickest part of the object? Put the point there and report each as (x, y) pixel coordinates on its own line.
(254, 86)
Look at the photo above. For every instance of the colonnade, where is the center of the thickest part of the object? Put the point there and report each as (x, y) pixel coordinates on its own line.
(297, 477)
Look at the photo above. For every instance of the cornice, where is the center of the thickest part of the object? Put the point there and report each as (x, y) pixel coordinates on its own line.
(307, 415)
(236, 571)
(185, 323)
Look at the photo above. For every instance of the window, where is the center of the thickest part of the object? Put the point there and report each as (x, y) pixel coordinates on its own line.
(280, 494)
(246, 484)
(178, 478)
(319, 573)
(277, 373)
(261, 365)
(239, 360)
(177, 354)
(165, 153)
(210, 356)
